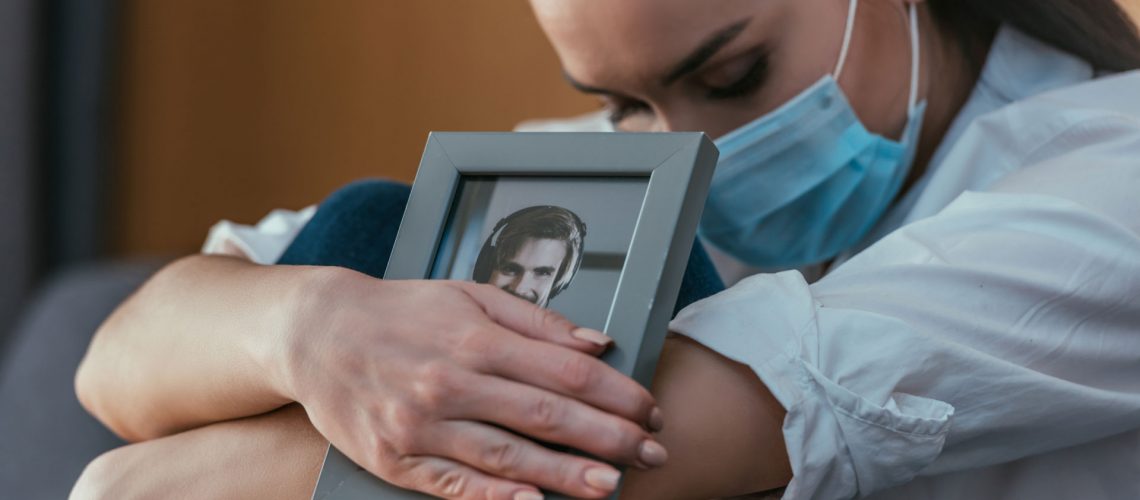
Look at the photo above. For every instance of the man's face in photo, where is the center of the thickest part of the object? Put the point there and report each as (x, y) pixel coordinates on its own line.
(531, 271)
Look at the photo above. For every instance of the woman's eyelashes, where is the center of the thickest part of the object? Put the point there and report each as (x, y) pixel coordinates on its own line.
(619, 109)
(741, 77)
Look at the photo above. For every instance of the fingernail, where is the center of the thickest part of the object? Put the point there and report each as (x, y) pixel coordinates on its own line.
(528, 495)
(652, 453)
(591, 335)
(656, 419)
(602, 478)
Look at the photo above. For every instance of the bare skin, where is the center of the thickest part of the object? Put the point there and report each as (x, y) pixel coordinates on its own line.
(275, 455)
(623, 50)
(211, 340)
(278, 455)
(407, 392)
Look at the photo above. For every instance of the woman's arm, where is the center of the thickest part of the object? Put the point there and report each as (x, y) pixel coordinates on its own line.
(724, 442)
(724, 434)
(414, 380)
(194, 346)
(997, 330)
(277, 455)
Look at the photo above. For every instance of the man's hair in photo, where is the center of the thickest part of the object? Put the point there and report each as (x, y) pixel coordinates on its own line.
(539, 222)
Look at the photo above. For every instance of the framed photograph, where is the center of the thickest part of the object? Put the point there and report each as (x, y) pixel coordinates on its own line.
(597, 226)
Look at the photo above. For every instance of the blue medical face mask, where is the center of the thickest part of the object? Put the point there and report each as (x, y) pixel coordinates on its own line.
(807, 181)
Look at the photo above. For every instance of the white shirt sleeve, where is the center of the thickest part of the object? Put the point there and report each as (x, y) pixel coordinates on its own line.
(263, 243)
(1006, 325)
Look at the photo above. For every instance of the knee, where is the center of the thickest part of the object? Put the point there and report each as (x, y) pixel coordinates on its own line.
(371, 197)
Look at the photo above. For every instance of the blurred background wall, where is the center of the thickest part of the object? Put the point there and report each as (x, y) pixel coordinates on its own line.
(231, 108)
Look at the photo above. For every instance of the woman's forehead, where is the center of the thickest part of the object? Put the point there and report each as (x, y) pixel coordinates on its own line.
(602, 40)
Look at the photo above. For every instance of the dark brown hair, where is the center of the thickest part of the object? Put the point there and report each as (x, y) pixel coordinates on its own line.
(538, 222)
(1098, 31)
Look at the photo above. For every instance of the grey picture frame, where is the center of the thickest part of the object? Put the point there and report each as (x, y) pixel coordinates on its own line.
(679, 167)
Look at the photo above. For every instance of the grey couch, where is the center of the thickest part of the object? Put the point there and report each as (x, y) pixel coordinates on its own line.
(46, 438)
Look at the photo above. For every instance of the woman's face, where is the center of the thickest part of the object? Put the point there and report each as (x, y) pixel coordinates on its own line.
(714, 65)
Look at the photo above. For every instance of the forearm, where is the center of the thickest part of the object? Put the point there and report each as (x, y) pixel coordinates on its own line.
(277, 455)
(723, 429)
(193, 346)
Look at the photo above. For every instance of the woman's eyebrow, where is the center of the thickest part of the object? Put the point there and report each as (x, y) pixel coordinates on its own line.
(704, 51)
(689, 64)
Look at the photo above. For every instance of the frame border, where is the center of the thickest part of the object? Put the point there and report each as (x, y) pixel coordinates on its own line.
(679, 167)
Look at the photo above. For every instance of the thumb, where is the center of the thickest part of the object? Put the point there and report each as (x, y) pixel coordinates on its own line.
(530, 320)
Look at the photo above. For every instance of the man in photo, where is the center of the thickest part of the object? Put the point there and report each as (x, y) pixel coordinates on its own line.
(532, 253)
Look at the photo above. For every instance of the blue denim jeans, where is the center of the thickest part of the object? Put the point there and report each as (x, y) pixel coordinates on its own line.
(356, 227)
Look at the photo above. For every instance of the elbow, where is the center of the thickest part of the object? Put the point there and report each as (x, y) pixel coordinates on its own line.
(104, 408)
(96, 383)
(105, 477)
(103, 378)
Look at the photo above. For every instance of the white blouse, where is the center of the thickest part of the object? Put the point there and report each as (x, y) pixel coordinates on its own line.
(984, 342)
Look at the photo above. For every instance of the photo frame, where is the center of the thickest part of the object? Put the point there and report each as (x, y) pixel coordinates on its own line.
(628, 205)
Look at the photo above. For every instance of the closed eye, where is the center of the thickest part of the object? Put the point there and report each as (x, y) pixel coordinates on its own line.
(753, 76)
(619, 109)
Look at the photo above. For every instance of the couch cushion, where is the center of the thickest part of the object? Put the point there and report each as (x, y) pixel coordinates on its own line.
(46, 438)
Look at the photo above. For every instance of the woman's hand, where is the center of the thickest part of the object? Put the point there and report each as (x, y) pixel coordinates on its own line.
(415, 380)
(423, 382)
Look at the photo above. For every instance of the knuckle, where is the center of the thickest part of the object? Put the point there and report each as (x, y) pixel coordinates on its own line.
(401, 438)
(545, 320)
(383, 463)
(449, 482)
(502, 458)
(434, 386)
(471, 337)
(567, 474)
(624, 441)
(546, 413)
(402, 444)
(644, 403)
(577, 373)
(476, 348)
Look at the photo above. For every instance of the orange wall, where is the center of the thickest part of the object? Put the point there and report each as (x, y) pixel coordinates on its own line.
(233, 108)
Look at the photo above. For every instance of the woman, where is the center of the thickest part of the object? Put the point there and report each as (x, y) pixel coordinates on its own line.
(961, 174)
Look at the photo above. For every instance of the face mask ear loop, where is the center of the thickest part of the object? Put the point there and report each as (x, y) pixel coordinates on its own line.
(852, 6)
(912, 103)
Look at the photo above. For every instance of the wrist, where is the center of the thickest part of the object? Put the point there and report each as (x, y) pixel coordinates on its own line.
(296, 317)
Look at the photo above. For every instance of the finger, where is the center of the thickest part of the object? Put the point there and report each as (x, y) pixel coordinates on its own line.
(554, 418)
(536, 322)
(445, 478)
(572, 374)
(501, 454)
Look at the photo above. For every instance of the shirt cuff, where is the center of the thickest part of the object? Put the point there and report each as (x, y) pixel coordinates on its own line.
(840, 443)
